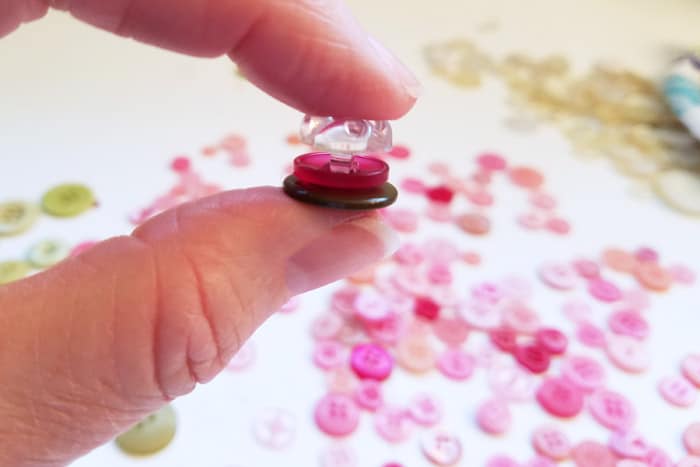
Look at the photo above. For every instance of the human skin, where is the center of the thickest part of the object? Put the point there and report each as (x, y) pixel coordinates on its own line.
(91, 346)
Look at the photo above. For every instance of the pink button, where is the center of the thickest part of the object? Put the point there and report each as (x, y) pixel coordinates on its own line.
(691, 439)
(401, 219)
(341, 380)
(329, 354)
(628, 354)
(504, 339)
(424, 410)
(658, 458)
(511, 382)
(590, 335)
(520, 318)
(441, 448)
(628, 323)
(502, 461)
(371, 361)
(488, 293)
(338, 455)
(636, 299)
(533, 358)
(586, 268)
(611, 409)
(337, 415)
(244, 358)
(490, 161)
(558, 225)
(479, 315)
(552, 340)
(440, 250)
(629, 444)
(371, 307)
(413, 185)
(388, 331)
(584, 372)
(682, 274)
(558, 276)
(409, 254)
(439, 274)
(691, 369)
(480, 198)
(291, 305)
(274, 428)
(326, 326)
(392, 424)
(577, 310)
(368, 395)
(689, 461)
(494, 417)
(456, 364)
(426, 308)
(451, 331)
(592, 454)
(343, 300)
(678, 391)
(646, 254)
(543, 201)
(516, 288)
(604, 291)
(560, 398)
(532, 220)
(552, 443)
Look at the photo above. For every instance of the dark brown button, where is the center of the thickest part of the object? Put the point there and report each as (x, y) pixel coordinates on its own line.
(372, 198)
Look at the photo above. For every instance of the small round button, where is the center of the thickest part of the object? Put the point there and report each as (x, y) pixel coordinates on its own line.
(68, 200)
(337, 415)
(370, 198)
(150, 435)
(17, 217)
(11, 271)
(47, 253)
(560, 398)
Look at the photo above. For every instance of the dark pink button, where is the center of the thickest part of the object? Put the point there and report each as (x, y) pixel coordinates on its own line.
(504, 338)
(532, 357)
(560, 398)
(371, 361)
(315, 169)
(551, 340)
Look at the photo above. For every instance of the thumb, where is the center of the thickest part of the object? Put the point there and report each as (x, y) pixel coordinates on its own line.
(102, 339)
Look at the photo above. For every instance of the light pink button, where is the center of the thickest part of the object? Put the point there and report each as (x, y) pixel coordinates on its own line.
(691, 368)
(592, 454)
(604, 291)
(326, 326)
(494, 417)
(341, 380)
(371, 361)
(343, 300)
(371, 307)
(401, 219)
(586, 268)
(611, 409)
(678, 391)
(682, 274)
(274, 428)
(337, 415)
(584, 372)
(511, 382)
(487, 293)
(629, 323)
(691, 439)
(558, 276)
(502, 461)
(329, 354)
(658, 458)
(689, 461)
(368, 395)
(629, 444)
(409, 254)
(491, 161)
(590, 335)
(392, 423)
(543, 200)
(413, 185)
(479, 315)
(540, 461)
(338, 455)
(388, 331)
(552, 443)
(439, 273)
(577, 310)
(424, 410)
(636, 299)
(520, 318)
(533, 220)
(628, 354)
(244, 358)
(558, 225)
(440, 250)
(451, 331)
(441, 448)
(291, 305)
(516, 288)
(456, 364)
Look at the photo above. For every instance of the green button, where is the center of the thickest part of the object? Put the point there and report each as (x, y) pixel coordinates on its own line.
(47, 253)
(11, 271)
(67, 200)
(150, 435)
(17, 217)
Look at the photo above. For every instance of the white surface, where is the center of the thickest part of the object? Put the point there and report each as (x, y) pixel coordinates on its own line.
(78, 104)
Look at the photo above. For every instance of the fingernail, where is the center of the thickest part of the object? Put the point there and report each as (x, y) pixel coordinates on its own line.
(405, 76)
(340, 252)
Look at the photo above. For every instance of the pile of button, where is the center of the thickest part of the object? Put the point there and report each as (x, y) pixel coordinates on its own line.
(609, 112)
(18, 217)
(409, 313)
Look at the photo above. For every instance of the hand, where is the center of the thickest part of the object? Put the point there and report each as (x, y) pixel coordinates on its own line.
(91, 346)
